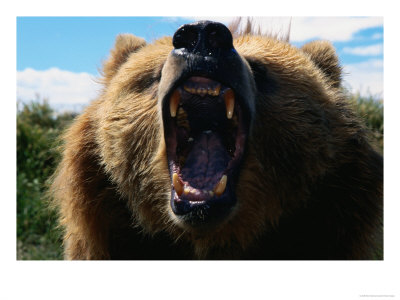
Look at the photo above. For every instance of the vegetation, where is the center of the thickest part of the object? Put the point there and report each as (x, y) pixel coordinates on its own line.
(38, 127)
(371, 111)
(37, 130)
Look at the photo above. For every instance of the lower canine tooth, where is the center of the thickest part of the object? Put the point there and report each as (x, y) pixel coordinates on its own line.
(221, 185)
(178, 184)
(173, 103)
(229, 98)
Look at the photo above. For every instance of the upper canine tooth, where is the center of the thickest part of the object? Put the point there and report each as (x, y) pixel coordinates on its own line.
(221, 185)
(173, 102)
(229, 98)
(178, 184)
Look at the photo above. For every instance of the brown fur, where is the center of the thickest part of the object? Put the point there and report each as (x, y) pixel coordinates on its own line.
(308, 161)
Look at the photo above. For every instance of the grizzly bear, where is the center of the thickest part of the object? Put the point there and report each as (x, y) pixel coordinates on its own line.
(205, 146)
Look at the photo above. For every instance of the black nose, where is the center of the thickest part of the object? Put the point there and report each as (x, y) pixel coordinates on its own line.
(204, 37)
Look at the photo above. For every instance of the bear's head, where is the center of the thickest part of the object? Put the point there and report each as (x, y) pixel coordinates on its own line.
(215, 140)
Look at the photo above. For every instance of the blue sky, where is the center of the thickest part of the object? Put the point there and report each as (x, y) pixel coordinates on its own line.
(59, 57)
(79, 44)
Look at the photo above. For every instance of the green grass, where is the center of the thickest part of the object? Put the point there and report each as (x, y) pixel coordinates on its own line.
(371, 111)
(38, 129)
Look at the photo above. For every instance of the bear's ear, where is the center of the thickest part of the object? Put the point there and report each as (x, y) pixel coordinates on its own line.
(125, 44)
(323, 54)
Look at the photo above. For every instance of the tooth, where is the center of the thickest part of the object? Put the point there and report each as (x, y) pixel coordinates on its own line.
(216, 91)
(213, 91)
(178, 184)
(186, 190)
(221, 185)
(211, 193)
(186, 88)
(173, 103)
(229, 98)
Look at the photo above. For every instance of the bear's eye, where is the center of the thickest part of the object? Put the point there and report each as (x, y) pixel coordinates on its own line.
(146, 81)
(264, 80)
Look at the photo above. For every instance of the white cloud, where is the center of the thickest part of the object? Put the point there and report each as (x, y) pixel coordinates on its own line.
(331, 28)
(365, 51)
(58, 86)
(306, 28)
(365, 77)
(377, 36)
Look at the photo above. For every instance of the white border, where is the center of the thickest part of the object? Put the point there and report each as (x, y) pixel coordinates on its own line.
(197, 280)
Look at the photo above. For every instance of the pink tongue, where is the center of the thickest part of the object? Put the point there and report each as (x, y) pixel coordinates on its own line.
(206, 161)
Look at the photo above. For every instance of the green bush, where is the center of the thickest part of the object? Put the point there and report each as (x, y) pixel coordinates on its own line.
(38, 128)
(371, 111)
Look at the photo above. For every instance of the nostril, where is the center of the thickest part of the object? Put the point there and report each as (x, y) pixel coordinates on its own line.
(219, 36)
(185, 37)
(213, 39)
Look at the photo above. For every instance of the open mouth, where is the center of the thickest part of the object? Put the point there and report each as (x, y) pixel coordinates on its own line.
(205, 135)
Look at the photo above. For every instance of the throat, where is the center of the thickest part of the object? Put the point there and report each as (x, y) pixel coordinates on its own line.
(206, 162)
